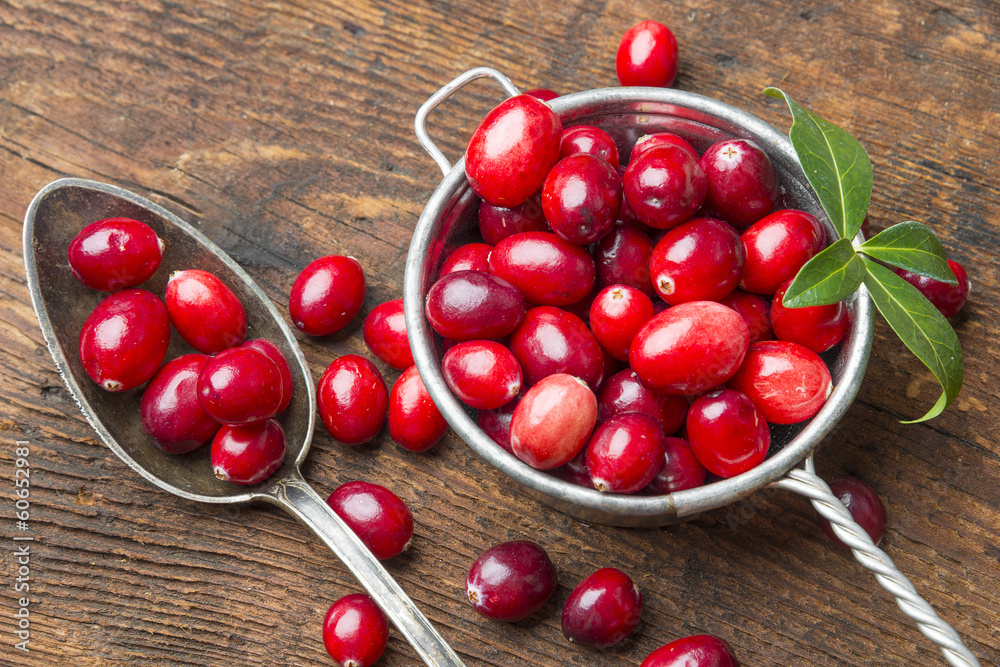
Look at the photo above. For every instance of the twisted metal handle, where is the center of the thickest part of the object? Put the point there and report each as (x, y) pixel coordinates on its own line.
(805, 482)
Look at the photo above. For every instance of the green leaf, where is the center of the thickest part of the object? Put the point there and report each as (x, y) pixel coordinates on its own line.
(922, 328)
(911, 246)
(831, 276)
(835, 163)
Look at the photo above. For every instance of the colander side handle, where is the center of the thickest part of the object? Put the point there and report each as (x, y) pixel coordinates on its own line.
(420, 121)
(805, 482)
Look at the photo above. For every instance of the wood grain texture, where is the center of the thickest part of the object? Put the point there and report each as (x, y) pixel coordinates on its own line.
(283, 130)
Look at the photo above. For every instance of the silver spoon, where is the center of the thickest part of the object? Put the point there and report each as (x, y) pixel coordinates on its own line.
(62, 304)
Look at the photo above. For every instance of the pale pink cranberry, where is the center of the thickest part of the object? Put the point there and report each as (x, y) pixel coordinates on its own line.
(240, 385)
(112, 254)
(948, 299)
(415, 423)
(248, 454)
(469, 257)
(755, 311)
(622, 258)
(742, 185)
(616, 315)
(863, 503)
(551, 340)
(327, 294)
(271, 351)
(664, 186)
(727, 433)
(647, 56)
(510, 581)
(547, 270)
(700, 260)
(681, 468)
(602, 610)
(384, 332)
(498, 222)
(581, 197)
(172, 417)
(787, 382)
(352, 400)
(694, 651)
(625, 453)
(589, 140)
(355, 631)
(777, 246)
(376, 515)
(817, 327)
(483, 374)
(467, 305)
(553, 421)
(205, 312)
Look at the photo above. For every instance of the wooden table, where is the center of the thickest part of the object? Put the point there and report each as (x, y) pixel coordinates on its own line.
(283, 131)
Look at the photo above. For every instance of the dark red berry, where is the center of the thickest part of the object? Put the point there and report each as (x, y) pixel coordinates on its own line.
(622, 258)
(415, 423)
(625, 453)
(551, 340)
(172, 417)
(621, 393)
(787, 382)
(248, 454)
(240, 385)
(355, 631)
(817, 327)
(553, 421)
(647, 141)
(352, 400)
(727, 433)
(777, 246)
(327, 294)
(469, 257)
(205, 312)
(385, 334)
(483, 374)
(496, 423)
(109, 255)
(602, 610)
(581, 197)
(497, 222)
(589, 140)
(647, 56)
(864, 505)
(742, 185)
(700, 260)
(547, 270)
(377, 515)
(271, 351)
(694, 651)
(681, 468)
(467, 305)
(664, 186)
(575, 471)
(755, 311)
(511, 581)
(948, 299)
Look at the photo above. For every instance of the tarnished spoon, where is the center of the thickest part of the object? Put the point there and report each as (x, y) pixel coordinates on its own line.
(56, 214)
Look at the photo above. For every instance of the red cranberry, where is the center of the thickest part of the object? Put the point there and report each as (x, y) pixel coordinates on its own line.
(647, 56)
(689, 348)
(113, 254)
(553, 421)
(240, 385)
(547, 270)
(777, 246)
(352, 400)
(248, 454)
(483, 374)
(511, 581)
(376, 515)
(543, 94)
(385, 334)
(664, 186)
(602, 610)
(575, 471)
(327, 294)
(171, 415)
(125, 339)
(647, 141)
(681, 468)
(497, 222)
(581, 197)
(616, 315)
(700, 260)
(787, 382)
(625, 453)
(673, 411)
(622, 258)
(271, 351)
(726, 432)
(496, 423)
(864, 505)
(754, 310)
(205, 312)
(694, 651)
(742, 185)
(512, 150)
(590, 140)
(551, 340)
(817, 327)
(469, 257)
(466, 305)
(948, 299)
(415, 423)
(355, 631)
(622, 393)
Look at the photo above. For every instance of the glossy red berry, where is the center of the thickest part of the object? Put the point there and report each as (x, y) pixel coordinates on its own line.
(352, 400)
(467, 305)
(621, 393)
(496, 423)
(124, 339)
(602, 610)
(694, 651)
(625, 453)
(581, 197)
(327, 294)
(777, 246)
(271, 351)
(681, 468)
(863, 503)
(553, 421)
(172, 417)
(205, 312)
(469, 257)
(699, 260)
(547, 270)
(109, 255)
(385, 334)
(376, 515)
(948, 299)
(512, 150)
(742, 185)
(355, 631)
(787, 382)
(589, 140)
(755, 311)
(622, 258)
(647, 56)
(248, 454)
(727, 433)
(552, 340)
(483, 374)
(240, 385)
(415, 423)
(647, 141)
(498, 222)
(817, 327)
(511, 581)
(616, 315)
(664, 186)
(543, 94)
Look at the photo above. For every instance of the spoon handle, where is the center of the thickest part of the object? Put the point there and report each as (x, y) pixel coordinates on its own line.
(293, 494)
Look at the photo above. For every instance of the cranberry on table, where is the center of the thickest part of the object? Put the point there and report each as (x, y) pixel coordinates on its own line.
(205, 312)
(512, 150)
(547, 270)
(171, 415)
(112, 254)
(498, 222)
(124, 339)
(689, 348)
(327, 294)
(240, 385)
(483, 374)
(590, 140)
(787, 382)
(248, 454)
(496, 423)
(726, 432)
(616, 316)
(694, 651)
(622, 258)
(863, 503)
(376, 515)
(384, 332)
(647, 56)
(553, 421)
(469, 257)
(352, 400)
(552, 340)
(581, 197)
(647, 141)
(510, 581)
(625, 453)
(602, 610)
(755, 311)
(817, 327)
(949, 299)
(777, 246)
(664, 186)
(467, 305)
(355, 631)
(271, 351)
(415, 423)
(699, 260)
(742, 185)
(681, 468)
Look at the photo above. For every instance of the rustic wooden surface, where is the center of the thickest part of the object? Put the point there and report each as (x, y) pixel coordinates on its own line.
(284, 131)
